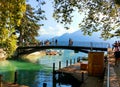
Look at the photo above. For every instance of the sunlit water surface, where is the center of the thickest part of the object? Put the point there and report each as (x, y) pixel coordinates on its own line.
(34, 75)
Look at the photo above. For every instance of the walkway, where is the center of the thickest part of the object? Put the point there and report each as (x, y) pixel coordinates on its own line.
(117, 70)
(114, 70)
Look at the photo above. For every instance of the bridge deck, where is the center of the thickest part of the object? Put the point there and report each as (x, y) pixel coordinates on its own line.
(77, 46)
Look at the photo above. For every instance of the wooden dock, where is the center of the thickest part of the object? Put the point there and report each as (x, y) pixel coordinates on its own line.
(73, 70)
(77, 76)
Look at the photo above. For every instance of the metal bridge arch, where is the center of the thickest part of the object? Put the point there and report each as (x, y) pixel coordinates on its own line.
(77, 46)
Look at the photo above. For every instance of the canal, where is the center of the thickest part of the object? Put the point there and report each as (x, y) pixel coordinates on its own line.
(38, 72)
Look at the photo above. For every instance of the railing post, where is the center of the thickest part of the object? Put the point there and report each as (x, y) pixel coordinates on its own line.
(108, 75)
(91, 45)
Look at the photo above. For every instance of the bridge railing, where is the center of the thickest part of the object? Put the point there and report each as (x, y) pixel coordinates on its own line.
(84, 44)
(74, 43)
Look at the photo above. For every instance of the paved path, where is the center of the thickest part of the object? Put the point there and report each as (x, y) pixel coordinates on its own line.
(117, 71)
(93, 82)
(114, 70)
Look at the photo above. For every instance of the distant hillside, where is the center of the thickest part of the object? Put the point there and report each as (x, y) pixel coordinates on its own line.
(78, 36)
(44, 37)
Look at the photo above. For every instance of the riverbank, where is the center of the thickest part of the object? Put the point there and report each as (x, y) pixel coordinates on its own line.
(35, 74)
(33, 57)
(23, 69)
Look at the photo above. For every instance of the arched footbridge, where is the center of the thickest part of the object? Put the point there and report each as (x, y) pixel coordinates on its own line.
(76, 46)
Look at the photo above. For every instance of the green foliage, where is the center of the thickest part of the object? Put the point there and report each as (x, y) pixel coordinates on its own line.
(117, 2)
(10, 16)
(29, 27)
(11, 44)
(100, 15)
(8, 43)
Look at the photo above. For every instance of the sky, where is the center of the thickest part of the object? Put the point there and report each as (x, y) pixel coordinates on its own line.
(51, 27)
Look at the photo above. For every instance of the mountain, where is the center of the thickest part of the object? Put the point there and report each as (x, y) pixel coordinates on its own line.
(44, 37)
(78, 36)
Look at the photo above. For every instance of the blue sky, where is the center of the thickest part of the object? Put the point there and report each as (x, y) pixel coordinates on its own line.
(51, 27)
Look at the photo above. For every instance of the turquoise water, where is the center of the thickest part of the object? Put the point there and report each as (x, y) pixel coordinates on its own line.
(34, 75)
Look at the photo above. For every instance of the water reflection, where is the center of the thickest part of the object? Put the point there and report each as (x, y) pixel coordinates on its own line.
(65, 80)
(34, 76)
(8, 76)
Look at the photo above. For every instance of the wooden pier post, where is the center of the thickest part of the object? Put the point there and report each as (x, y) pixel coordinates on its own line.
(53, 68)
(15, 77)
(82, 76)
(54, 78)
(44, 84)
(0, 80)
(74, 60)
(66, 63)
(59, 64)
(70, 61)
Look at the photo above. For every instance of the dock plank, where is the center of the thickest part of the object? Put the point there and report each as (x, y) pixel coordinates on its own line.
(75, 71)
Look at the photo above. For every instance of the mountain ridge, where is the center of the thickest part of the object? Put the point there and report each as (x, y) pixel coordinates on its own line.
(77, 36)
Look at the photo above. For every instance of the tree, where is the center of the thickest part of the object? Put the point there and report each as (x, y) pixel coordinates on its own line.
(28, 30)
(100, 15)
(11, 12)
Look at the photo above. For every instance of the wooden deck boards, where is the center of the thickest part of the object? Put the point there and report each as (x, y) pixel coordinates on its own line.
(76, 72)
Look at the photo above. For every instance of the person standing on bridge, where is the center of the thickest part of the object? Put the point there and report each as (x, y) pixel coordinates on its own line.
(56, 42)
(70, 42)
(116, 52)
(119, 45)
(114, 46)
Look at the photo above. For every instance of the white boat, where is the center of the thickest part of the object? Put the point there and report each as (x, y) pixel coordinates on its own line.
(51, 52)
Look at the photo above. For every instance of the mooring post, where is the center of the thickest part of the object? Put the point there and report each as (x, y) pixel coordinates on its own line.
(66, 63)
(59, 64)
(0, 80)
(54, 77)
(44, 84)
(74, 60)
(53, 68)
(70, 61)
(15, 77)
(82, 76)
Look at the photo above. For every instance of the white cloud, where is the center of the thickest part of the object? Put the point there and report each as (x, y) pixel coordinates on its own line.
(57, 30)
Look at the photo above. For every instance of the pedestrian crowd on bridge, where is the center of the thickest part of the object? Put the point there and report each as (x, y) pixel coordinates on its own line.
(116, 50)
(54, 42)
